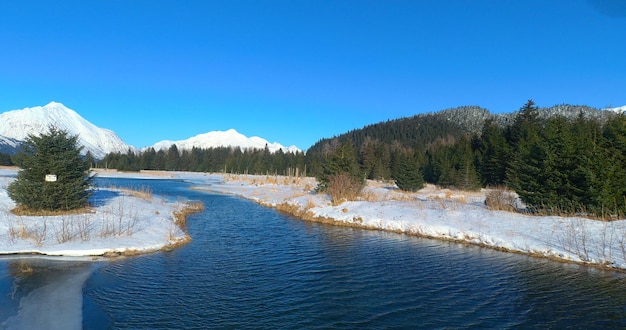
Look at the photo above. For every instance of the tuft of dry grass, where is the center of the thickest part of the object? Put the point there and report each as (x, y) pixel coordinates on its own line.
(342, 188)
(370, 196)
(309, 204)
(144, 192)
(189, 208)
(500, 199)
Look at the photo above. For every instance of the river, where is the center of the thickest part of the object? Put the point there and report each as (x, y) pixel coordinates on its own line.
(250, 267)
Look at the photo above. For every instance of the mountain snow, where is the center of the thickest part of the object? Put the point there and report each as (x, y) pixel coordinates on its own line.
(17, 125)
(621, 109)
(229, 138)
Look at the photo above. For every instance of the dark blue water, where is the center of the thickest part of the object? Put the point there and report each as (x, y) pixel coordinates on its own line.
(251, 267)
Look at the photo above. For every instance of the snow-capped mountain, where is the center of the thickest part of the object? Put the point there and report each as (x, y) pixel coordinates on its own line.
(229, 138)
(16, 125)
(621, 109)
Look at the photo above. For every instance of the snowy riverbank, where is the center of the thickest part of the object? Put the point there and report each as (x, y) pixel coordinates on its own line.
(444, 214)
(120, 222)
(431, 212)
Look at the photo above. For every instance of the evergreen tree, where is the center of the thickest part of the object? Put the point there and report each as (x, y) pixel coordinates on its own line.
(5, 159)
(53, 174)
(172, 159)
(409, 177)
(342, 177)
(525, 165)
(90, 160)
(494, 154)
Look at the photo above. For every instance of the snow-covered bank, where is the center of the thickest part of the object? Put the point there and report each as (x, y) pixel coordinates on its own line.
(431, 212)
(444, 214)
(120, 223)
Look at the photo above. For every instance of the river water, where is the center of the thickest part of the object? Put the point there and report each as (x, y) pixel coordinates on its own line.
(250, 267)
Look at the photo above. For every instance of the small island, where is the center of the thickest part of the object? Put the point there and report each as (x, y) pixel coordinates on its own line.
(51, 208)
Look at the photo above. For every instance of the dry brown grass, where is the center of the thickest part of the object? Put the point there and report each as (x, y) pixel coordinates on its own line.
(500, 199)
(370, 196)
(187, 209)
(25, 211)
(309, 204)
(144, 192)
(342, 188)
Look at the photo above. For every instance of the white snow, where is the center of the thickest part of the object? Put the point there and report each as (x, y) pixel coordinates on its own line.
(120, 223)
(229, 138)
(621, 109)
(18, 124)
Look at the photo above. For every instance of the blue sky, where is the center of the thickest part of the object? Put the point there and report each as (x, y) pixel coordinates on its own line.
(297, 71)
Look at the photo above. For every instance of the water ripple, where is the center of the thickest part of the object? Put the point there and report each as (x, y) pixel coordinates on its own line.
(249, 267)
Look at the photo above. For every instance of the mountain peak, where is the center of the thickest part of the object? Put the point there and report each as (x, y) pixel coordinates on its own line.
(54, 104)
(228, 138)
(19, 124)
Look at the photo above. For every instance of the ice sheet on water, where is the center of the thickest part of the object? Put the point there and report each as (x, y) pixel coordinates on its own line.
(50, 294)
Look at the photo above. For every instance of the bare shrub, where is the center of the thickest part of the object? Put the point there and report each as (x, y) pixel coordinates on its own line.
(84, 228)
(107, 227)
(343, 187)
(37, 233)
(622, 241)
(131, 223)
(500, 199)
(575, 239)
(14, 232)
(65, 231)
(606, 241)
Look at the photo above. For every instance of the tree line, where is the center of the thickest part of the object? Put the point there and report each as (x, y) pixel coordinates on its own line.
(218, 159)
(556, 163)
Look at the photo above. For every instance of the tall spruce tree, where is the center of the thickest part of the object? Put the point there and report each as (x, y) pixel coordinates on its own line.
(493, 154)
(409, 177)
(53, 174)
(342, 177)
(526, 163)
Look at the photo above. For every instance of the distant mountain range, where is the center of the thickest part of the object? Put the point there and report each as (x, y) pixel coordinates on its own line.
(224, 139)
(16, 125)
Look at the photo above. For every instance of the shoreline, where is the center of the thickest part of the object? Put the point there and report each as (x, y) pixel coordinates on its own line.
(573, 241)
(433, 213)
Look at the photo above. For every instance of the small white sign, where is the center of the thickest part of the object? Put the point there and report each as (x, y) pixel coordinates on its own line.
(51, 177)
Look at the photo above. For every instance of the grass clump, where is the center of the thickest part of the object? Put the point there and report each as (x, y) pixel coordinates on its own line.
(501, 199)
(187, 209)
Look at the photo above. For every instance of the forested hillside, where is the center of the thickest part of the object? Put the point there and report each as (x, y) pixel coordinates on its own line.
(565, 158)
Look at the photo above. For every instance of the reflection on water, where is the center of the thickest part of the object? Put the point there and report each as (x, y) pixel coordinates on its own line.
(44, 293)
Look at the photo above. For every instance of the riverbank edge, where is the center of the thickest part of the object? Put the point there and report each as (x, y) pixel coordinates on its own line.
(291, 207)
(305, 214)
(180, 216)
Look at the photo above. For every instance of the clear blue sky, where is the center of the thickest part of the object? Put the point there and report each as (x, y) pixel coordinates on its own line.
(296, 71)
